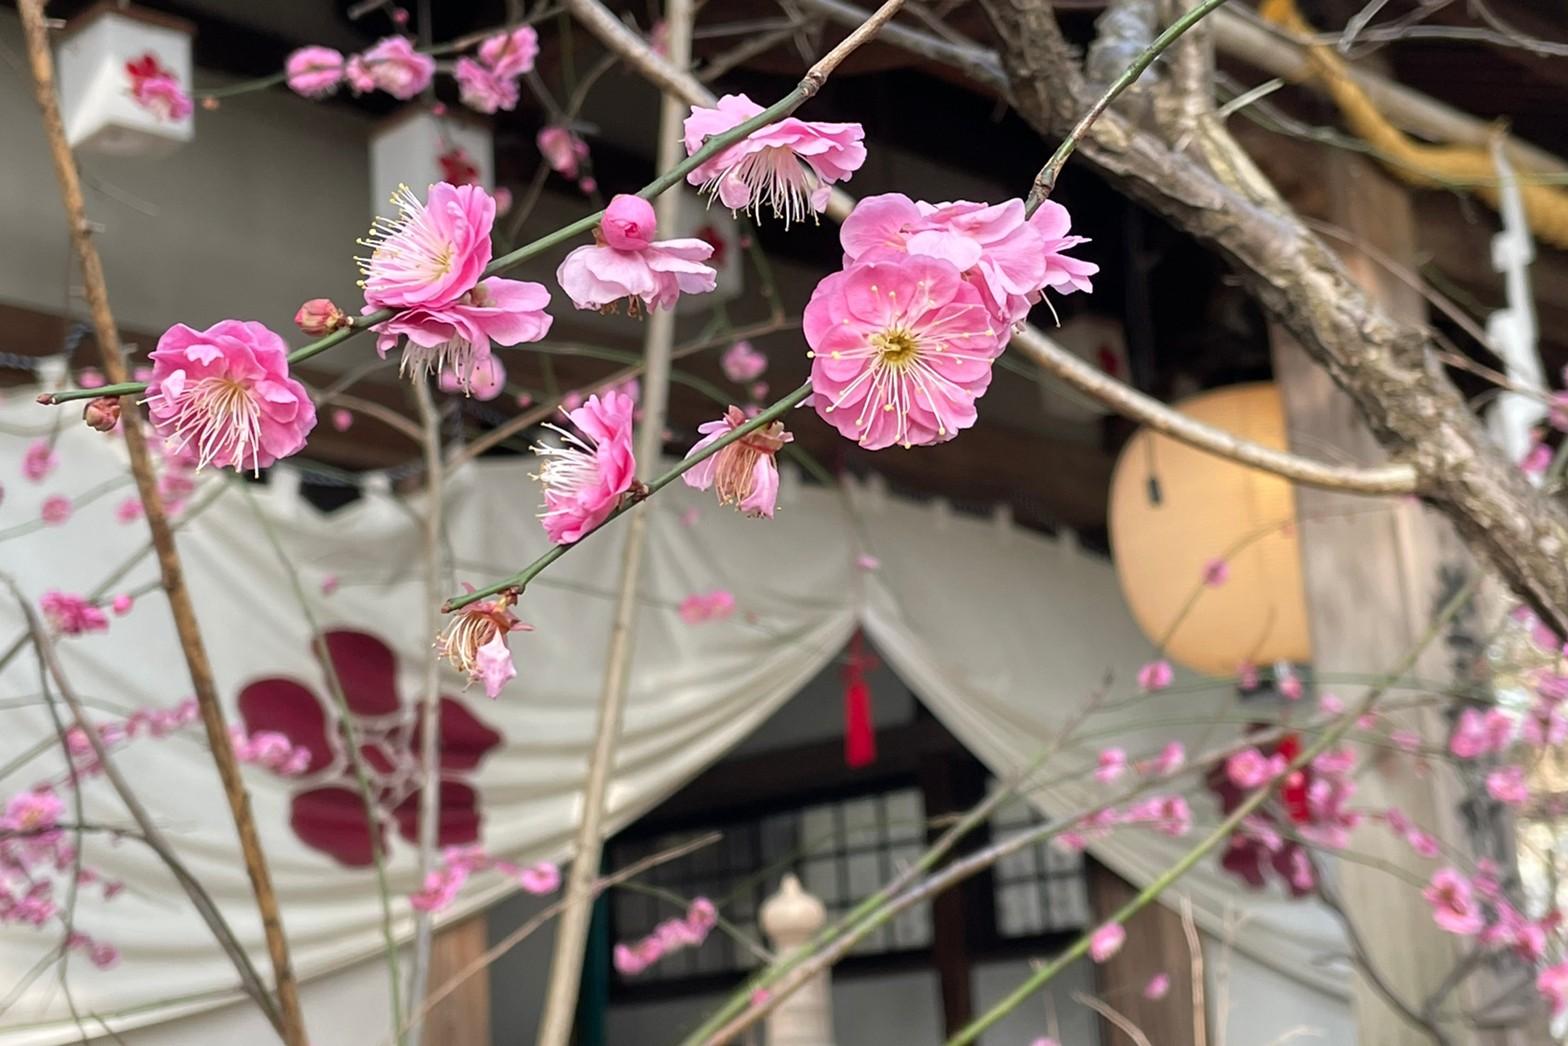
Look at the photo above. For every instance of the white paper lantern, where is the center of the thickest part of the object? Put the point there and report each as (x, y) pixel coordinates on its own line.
(101, 57)
(718, 227)
(417, 148)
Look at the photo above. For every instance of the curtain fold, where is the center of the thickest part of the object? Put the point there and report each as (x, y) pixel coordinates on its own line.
(1002, 633)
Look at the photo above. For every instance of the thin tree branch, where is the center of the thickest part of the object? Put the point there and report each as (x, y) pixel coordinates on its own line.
(108, 337)
(1115, 1016)
(430, 706)
(250, 980)
(1128, 401)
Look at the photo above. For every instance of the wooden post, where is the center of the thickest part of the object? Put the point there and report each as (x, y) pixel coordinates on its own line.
(1376, 572)
(463, 1017)
(1156, 943)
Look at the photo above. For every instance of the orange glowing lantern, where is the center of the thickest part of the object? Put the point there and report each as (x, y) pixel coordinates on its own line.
(1175, 510)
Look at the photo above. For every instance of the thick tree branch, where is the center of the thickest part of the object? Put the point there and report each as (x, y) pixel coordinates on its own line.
(1385, 366)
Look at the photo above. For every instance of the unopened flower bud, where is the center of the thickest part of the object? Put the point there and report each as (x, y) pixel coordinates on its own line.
(102, 413)
(319, 316)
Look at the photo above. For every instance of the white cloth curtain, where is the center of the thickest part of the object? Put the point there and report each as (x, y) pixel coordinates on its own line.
(1003, 633)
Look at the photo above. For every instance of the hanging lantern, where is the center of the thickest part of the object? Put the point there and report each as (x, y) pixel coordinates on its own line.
(1176, 513)
(719, 229)
(418, 148)
(125, 81)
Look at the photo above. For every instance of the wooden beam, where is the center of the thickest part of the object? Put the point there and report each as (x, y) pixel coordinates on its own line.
(1374, 580)
(1156, 944)
(952, 786)
(462, 1018)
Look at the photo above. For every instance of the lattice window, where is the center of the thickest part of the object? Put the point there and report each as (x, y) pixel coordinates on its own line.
(1040, 889)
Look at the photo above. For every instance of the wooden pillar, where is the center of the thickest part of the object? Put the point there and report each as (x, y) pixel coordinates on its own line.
(952, 785)
(1156, 943)
(1376, 572)
(462, 1018)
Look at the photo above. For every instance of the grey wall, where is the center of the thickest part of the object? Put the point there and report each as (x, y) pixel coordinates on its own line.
(256, 215)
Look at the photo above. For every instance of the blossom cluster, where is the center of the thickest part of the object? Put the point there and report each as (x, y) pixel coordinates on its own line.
(391, 65)
(35, 853)
(460, 863)
(671, 935)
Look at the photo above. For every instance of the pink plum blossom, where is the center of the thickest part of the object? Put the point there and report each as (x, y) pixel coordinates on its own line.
(458, 335)
(225, 394)
(356, 73)
(91, 378)
(1110, 765)
(1453, 907)
(1009, 258)
(1170, 759)
(1250, 768)
(790, 165)
(129, 510)
(474, 642)
(32, 811)
(314, 71)
(742, 363)
(433, 252)
(39, 460)
(1552, 983)
(1534, 462)
(901, 350)
(483, 89)
(1106, 941)
(706, 606)
(585, 477)
(1216, 572)
(1288, 683)
(330, 584)
(562, 150)
(511, 54)
(743, 473)
(485, 382)
(1508, 786)
(342, 419)
(122, 603)
(1156, 675)
(627, 263)
(493, 665)
(1158, 987)
(55, 510)
(396, 68)
(867, 563)
(71, 615)
(1477, 734)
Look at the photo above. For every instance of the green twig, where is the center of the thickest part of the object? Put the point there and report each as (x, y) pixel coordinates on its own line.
(519, 581)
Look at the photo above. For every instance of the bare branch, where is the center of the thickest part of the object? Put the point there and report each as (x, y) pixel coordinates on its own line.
(108, 337)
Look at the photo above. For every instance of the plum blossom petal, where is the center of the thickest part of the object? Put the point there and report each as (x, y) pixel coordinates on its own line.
(1453, 907)
(1106, 941)
(628, 264)
(493, 664)
(585, 476)
(458, 336)
(901, 349)
(433, 252)
(314, 71)
(562, 150)
(485, 90)
(396, 68)
(225, 395)
(787, 166)
(743, 473)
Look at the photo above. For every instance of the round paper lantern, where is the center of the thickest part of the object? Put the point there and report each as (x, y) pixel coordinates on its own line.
(1175, 510)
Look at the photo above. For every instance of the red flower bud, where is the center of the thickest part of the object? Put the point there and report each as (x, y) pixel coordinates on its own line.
(102, 413)
(319, 316)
